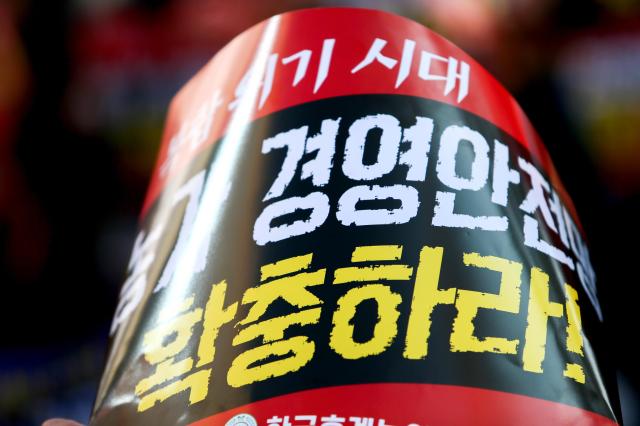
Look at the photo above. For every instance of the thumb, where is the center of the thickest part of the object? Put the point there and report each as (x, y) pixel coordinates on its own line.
(60, 422)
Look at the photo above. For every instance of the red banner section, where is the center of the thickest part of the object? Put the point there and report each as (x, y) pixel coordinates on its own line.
(314, 54)
(404, 404)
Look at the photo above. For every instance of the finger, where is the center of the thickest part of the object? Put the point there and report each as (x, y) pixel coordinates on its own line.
(60, 422)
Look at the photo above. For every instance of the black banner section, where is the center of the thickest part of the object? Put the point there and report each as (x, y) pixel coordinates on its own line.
(355, 240)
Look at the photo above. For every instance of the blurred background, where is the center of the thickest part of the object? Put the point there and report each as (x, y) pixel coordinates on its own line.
(84, 88)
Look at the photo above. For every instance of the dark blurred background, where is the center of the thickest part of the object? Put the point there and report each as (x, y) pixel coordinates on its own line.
(84, 88)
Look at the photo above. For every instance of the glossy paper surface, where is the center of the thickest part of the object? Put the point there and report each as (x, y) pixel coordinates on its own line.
(352, 223)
